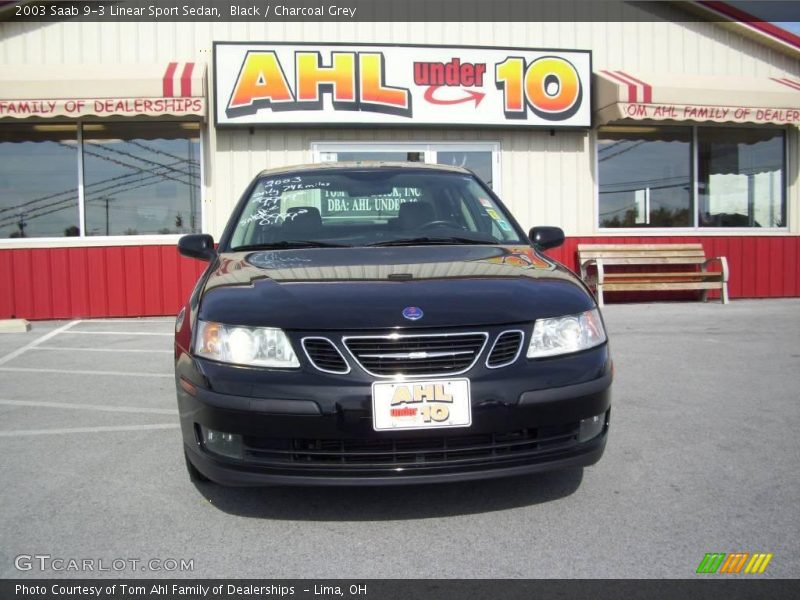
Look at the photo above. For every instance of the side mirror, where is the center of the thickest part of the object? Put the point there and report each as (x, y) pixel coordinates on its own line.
(546, 237)
(197, 245)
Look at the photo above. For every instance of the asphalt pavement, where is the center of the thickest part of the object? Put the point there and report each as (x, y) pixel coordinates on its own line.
(703, 456)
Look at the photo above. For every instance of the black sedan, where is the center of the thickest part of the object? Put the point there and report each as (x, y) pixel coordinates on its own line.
(385, 323)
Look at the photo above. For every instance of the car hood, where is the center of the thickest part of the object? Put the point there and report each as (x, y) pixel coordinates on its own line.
(368, 288)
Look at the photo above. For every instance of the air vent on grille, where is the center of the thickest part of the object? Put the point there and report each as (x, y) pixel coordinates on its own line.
(505, 350)
(324, 355)
(425, 354)
(461, 452)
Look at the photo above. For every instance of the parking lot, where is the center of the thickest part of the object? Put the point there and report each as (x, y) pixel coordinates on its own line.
(703, 456)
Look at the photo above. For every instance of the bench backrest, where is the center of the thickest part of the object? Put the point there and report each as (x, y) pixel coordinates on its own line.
(643, 254)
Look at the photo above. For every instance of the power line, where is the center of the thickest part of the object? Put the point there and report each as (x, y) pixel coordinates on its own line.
(622, 151)
(191, 164)
(96, 183)
(122, 187)
(136, 177)
(157, 151)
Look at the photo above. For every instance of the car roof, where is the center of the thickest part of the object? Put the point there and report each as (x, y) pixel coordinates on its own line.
(362, 165)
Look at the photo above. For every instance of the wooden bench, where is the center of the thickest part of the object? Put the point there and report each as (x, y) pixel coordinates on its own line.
(598, 257)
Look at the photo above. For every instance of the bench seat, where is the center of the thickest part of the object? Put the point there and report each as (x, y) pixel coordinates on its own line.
(600, 266)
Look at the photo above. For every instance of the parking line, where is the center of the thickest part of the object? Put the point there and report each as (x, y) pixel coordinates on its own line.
(164, 320)
(36, 342)
(102, 349)
(76, 372)
(118, 333)
(26, 432)
(95, 407)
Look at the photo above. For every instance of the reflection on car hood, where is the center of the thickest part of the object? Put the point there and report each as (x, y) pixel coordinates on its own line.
(368, 288)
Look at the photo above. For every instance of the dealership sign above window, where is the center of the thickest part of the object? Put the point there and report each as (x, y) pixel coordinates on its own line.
(280, 84)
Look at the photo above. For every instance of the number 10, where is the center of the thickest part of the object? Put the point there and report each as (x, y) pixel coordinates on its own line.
(549, 85)
(436, 412)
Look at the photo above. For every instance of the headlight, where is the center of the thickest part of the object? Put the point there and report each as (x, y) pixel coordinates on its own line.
(255, 346)
(562, 335)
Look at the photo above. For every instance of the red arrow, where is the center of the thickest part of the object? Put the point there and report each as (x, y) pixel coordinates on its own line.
(471, 95)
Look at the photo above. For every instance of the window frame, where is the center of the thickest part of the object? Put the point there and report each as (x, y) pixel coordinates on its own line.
(695, 228)
(83, 240)
(429, 150)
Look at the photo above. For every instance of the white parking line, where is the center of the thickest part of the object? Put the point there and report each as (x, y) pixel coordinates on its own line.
(164, 320)
(36, 342)
(76, 372)
(101, 349)
(95, 407)
(117, 333)
(25, 432)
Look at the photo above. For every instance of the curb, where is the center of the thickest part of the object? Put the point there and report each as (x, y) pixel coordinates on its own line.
(14, 325)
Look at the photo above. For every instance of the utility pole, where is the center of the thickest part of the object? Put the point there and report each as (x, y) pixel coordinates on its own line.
(21, 225)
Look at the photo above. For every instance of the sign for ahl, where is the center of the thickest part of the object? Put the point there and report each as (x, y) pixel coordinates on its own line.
(315, 84)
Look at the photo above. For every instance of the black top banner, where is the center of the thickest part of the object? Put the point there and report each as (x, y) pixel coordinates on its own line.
(369, 10)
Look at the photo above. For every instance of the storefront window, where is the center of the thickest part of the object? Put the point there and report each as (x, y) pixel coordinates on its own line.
(138, 178)
(141, 178)
(477, 161)
(645, 176)
(480, 158)
(652, 177)
(377, 155)
(741, 177)
(38, 180)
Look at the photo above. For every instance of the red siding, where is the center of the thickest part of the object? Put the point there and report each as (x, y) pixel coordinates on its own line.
(118, 281)
(6, 290)
(133, 281)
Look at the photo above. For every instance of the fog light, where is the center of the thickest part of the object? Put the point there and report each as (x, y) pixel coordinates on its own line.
(591, 427)
(224, 444)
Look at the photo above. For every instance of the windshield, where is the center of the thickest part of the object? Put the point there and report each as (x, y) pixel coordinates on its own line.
(364, 207)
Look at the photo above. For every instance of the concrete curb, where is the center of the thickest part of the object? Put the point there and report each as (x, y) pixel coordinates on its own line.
(14, 325)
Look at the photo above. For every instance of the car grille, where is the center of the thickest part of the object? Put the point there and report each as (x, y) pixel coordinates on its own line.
(408, 453)
(505, 350)
(324, 355)
(415, 355)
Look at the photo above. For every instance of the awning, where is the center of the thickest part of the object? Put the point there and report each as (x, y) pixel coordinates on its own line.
(620, 95)
(168, 89)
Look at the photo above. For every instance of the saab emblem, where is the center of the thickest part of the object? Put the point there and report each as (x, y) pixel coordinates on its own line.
(412, 313)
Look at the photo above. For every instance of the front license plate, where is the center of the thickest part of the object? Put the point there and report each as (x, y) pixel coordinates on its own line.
(430, 404)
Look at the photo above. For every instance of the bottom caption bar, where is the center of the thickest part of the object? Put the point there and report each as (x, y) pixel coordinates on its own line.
(391, 589)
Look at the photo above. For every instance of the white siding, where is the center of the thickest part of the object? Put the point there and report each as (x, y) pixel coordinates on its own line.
(793, 180)
(546, 179)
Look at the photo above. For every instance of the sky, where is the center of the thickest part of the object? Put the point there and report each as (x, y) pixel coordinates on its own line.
(785, 14)
(792, 26)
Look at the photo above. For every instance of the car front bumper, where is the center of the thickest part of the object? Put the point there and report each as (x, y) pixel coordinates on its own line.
(310, 428)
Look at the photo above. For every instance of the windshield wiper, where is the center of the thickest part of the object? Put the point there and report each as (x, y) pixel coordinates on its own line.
(420, 241)
(288, 244)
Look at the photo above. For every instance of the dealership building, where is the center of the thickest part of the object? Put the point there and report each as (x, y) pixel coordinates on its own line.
(676, 122)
